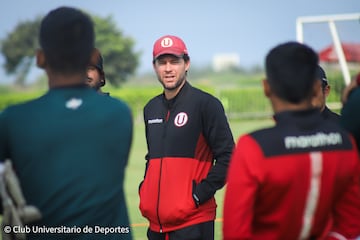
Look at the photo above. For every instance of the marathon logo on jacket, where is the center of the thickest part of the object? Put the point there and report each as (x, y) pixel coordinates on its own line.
(312, 141)
(154, 121)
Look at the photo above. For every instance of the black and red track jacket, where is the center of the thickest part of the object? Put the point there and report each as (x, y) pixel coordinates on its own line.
(296, 180)
(189, 147)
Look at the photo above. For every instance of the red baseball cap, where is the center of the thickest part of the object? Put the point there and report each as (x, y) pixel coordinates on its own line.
(169, 45)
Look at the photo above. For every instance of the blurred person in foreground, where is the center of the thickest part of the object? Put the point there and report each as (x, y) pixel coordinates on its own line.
(75, 181)
(189, 147)
(95, 72)
(300, 178)
(355, 82)
(350, 114)
(319, 100)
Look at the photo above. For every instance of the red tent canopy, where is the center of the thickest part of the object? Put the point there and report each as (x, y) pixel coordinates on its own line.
(351, 52)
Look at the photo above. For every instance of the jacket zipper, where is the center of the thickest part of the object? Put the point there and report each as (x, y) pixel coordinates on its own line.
(161, 160)
(158, 201)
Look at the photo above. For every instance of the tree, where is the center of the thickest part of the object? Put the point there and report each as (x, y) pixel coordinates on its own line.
(19, 49)
(120, 60)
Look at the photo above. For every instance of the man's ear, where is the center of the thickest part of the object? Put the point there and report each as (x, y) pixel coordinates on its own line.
(187, 65)
(40, 59)
(266, 88)
(327, 90)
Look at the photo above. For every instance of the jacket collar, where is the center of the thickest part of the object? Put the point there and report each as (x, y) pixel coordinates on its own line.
(303, 118)
(169, 103)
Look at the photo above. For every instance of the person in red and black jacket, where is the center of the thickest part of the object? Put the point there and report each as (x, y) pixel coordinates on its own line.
(189, 147)
(300, 178)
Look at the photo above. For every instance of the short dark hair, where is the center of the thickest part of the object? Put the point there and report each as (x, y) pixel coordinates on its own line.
(321, 75)
(186, 57)
(291, 71)
(67, 39)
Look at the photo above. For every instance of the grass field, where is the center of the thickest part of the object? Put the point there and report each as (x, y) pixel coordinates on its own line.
(135, 173)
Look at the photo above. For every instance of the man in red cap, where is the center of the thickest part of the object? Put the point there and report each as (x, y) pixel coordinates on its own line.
(189, 146)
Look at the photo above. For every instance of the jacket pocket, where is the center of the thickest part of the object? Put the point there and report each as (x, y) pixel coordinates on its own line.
(149, 191)
(176, 204)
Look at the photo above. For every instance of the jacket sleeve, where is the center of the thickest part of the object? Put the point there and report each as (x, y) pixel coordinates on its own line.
(4, 149)
(130, 132)
(218, 135)
(243, 179)
(147, 154)
(346, 222)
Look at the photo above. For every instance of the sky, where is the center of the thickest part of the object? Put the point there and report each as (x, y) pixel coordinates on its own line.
(249, 28)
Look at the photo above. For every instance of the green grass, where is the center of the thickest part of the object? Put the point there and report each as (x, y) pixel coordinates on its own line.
(136, 167)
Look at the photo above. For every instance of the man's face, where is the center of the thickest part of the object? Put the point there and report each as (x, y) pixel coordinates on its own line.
(171, 71)
(320, 100)
(94, 78)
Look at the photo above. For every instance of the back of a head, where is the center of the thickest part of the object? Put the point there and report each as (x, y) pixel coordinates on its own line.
(97, 60)
(67, 39)
(321, 75)
(291, 71)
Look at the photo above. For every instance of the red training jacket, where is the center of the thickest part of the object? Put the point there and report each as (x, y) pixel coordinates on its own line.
(189, 147)
(297, 180)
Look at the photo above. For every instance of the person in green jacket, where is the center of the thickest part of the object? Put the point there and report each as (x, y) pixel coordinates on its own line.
(70, 147)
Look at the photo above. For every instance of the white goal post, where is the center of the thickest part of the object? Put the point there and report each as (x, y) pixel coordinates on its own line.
(330, 19)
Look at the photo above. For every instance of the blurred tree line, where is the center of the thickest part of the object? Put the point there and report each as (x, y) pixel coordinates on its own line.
(120, 59)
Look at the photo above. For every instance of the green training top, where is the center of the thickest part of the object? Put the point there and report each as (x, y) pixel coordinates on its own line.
(69, 149)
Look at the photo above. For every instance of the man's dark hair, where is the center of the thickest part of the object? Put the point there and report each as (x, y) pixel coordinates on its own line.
(67, 39)
(186, 57)
(321, 75)
(291, 71)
